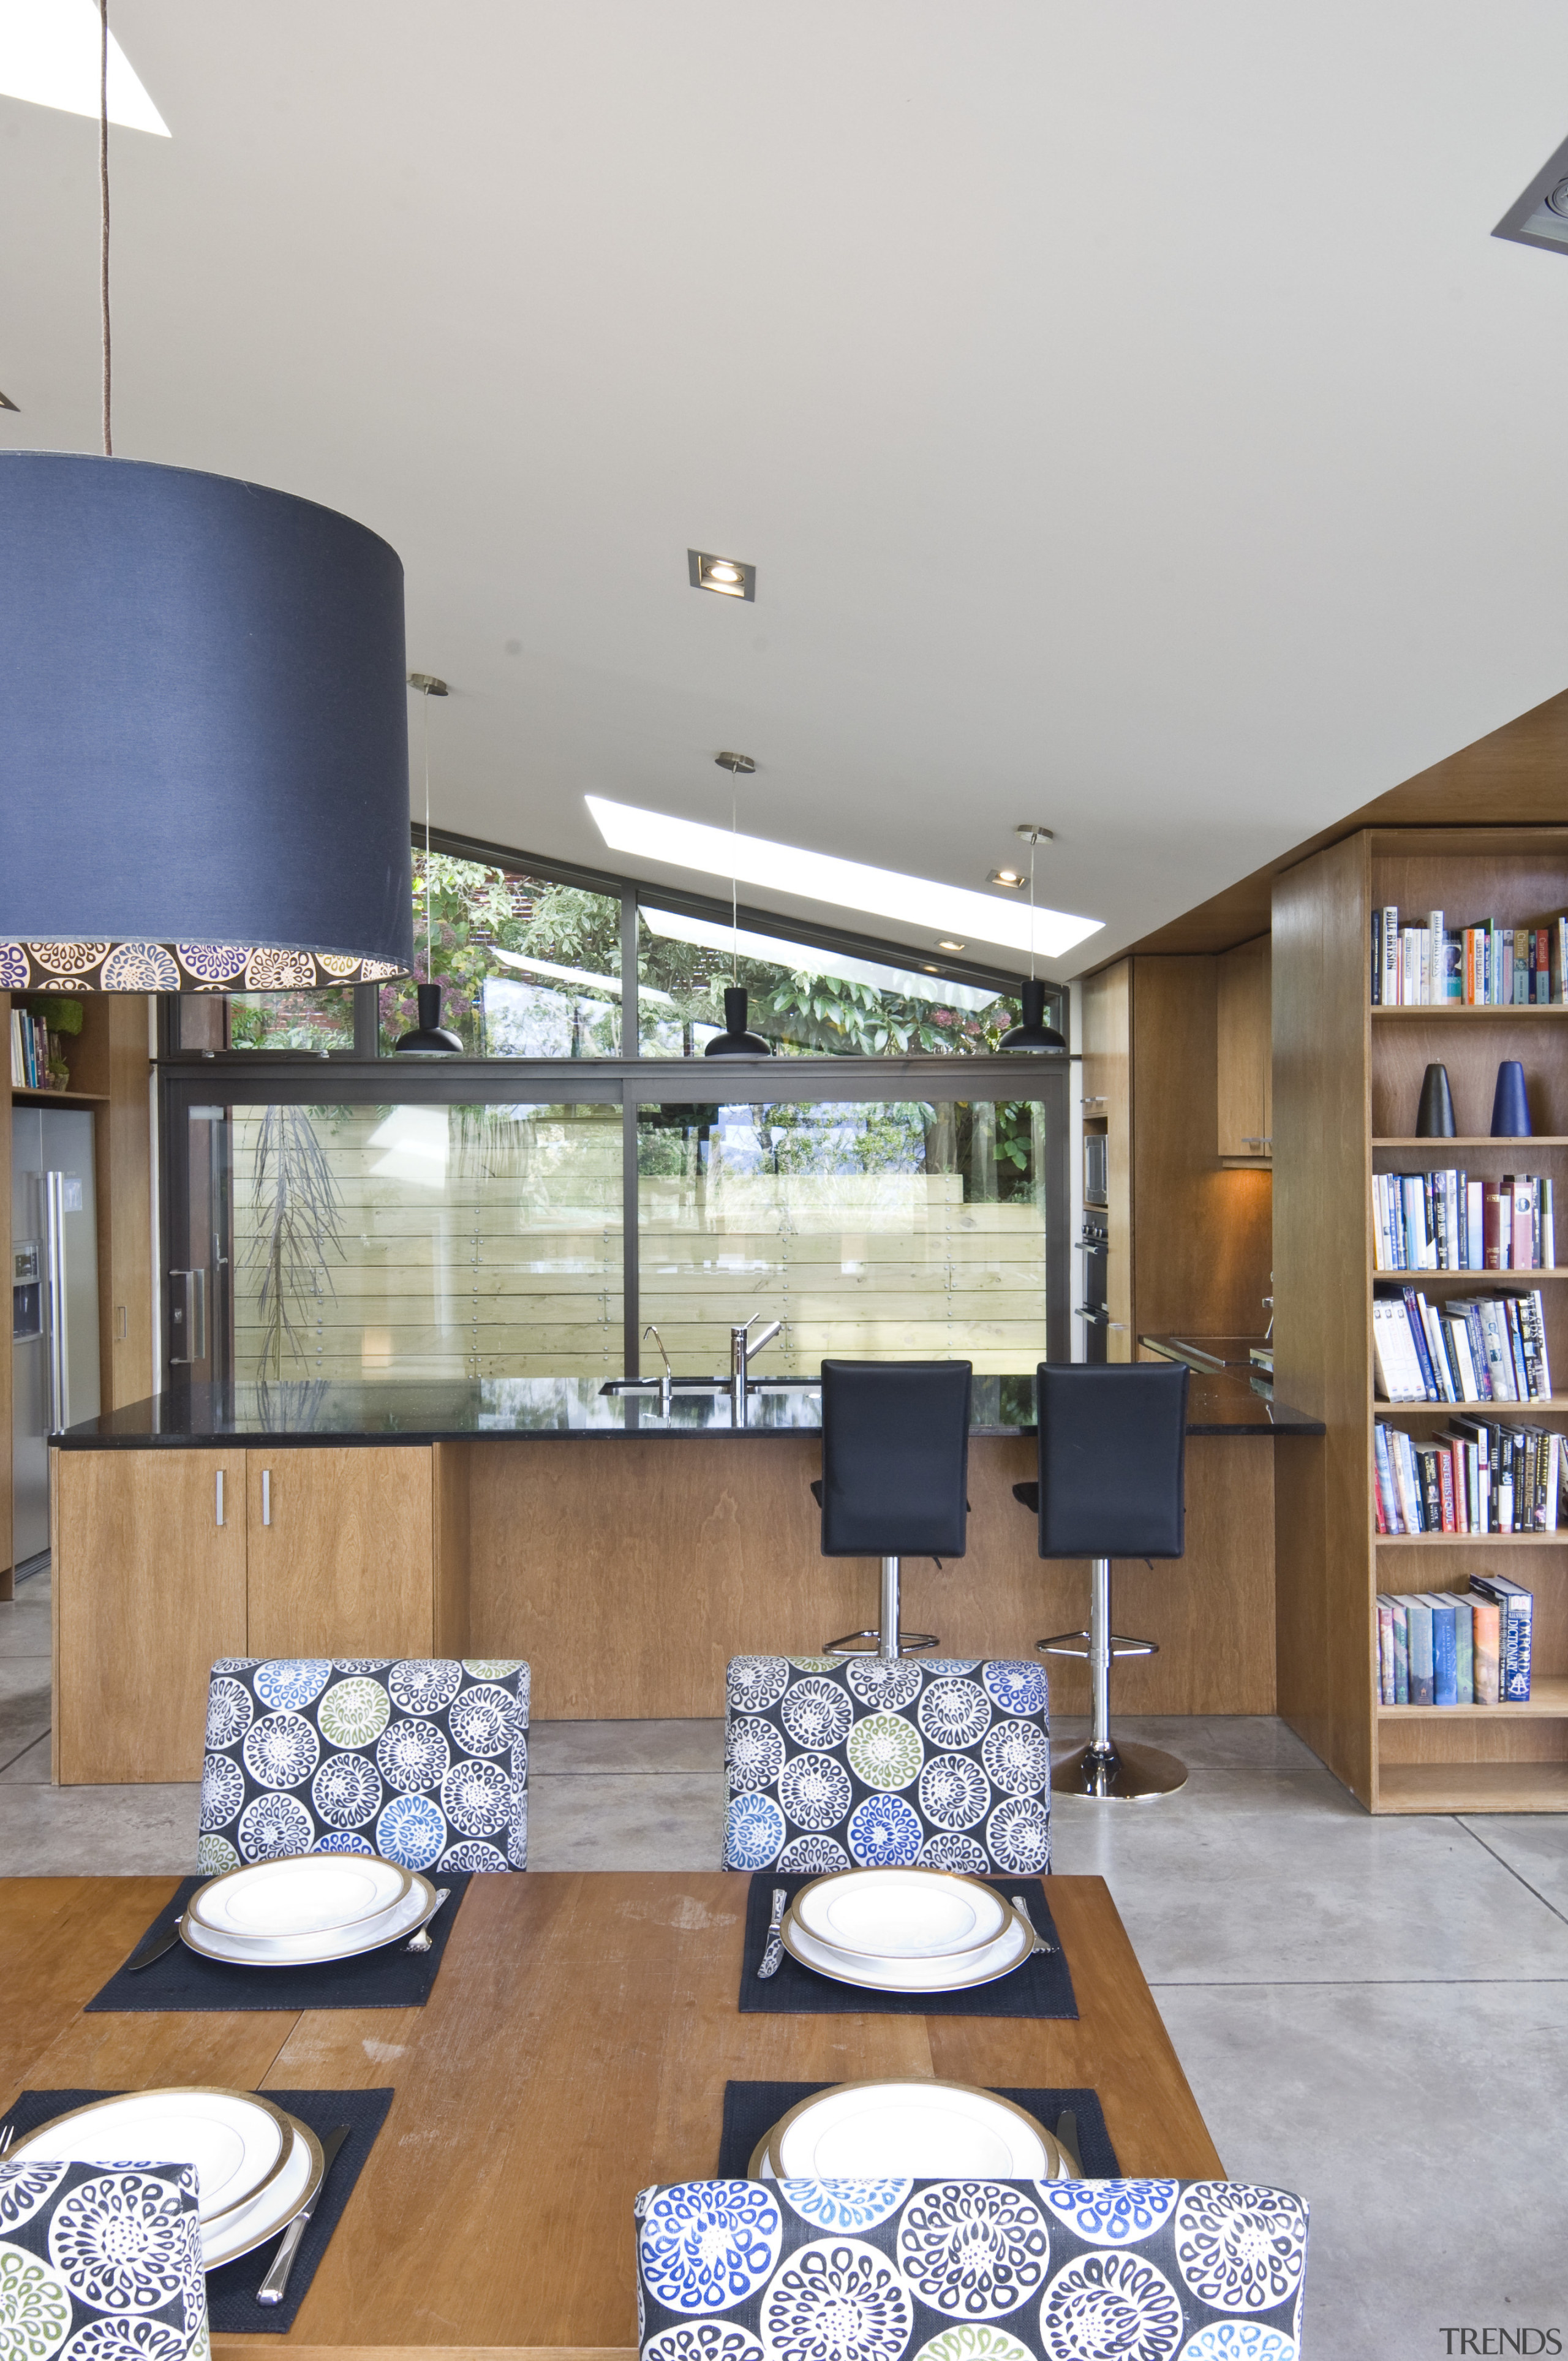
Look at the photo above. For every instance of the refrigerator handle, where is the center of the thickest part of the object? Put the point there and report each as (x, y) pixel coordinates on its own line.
(195, 1315)
(59, 1346)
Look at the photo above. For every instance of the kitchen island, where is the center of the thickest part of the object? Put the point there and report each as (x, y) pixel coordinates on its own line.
(626, 1563)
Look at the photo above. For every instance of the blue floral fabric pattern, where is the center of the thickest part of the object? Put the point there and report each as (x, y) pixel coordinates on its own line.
(969, 2270)
(101, 2262)
(423, 1761)
(850, 1762)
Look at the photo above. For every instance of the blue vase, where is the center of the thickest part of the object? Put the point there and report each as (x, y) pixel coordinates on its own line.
(1510, 1108)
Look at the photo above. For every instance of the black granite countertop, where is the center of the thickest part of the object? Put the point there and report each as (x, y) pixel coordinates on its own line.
(558, 1409)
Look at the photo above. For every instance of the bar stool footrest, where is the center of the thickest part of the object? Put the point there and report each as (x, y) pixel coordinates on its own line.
(1080, 1643)
(910, 1643)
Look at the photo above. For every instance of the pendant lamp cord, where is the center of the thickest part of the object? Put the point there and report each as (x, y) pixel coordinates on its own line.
(1031, 909)
(734, 891)
(103, 212)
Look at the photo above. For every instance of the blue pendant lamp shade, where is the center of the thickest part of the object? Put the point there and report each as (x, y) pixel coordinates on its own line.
(203, 735)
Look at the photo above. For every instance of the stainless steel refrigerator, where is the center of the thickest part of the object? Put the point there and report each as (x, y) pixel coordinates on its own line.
(54, 1302)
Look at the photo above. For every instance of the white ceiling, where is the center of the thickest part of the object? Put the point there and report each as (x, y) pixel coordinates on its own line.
(1132, 421)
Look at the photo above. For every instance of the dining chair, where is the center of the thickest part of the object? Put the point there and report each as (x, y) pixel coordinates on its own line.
(101, 2261)
(421, 1759)
(1211, 2270)
(840, 1762)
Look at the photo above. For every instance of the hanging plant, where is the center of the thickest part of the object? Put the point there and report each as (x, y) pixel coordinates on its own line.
(296, 1204)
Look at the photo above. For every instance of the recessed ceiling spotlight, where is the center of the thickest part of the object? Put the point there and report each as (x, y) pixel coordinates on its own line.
(951, 947)
(731, 577)
(1540, 217)
(933, 971)
(1009, 877)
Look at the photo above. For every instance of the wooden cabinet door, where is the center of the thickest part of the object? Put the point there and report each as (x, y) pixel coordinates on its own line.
(341, 1558)
(149, 1553)
(1246, 1053)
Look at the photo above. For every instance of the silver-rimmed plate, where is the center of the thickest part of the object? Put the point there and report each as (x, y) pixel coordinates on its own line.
(1009, 1951)
(299, 1895)
(239, 2233)
(869, 2130)
(901, 1914)
(315, 1950)
(238, 2142)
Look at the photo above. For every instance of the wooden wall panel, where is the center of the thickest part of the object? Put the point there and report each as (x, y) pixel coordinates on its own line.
(1323, 1321)
(1107, 1075)
(1202, 1235)
(450, 1533)
(628, 1573)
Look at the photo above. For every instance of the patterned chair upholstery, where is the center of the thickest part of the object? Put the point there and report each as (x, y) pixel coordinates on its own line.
(423, 1761)
(836, 1762)
(969, 2270)
(102, 2262)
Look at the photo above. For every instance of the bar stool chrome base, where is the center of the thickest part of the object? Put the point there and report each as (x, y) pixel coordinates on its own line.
(890, 1642)
(1122, 1773)
(1108, 1771)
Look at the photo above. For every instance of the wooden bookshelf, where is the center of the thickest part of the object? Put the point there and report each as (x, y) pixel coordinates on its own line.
(60, 1098)
(1347, 1080)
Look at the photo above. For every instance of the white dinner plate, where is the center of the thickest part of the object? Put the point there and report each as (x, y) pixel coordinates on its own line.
(262, 2219)
(1010, 1949)
(901, 1914)
(307, 1893)
(303, 1951)
(239, 2143)
(927, 2130)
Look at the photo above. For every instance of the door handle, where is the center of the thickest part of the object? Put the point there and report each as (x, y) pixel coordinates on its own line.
(193, 1315)
(219, 1499)
(266, 1496)
(59, 1343)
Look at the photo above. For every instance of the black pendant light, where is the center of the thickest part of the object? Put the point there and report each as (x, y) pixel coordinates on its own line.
(1033, 1033)
(735, 1041)
(430, 1037)
(204, 766)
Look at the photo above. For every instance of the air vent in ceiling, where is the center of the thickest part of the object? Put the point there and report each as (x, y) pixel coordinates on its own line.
(1541, 217)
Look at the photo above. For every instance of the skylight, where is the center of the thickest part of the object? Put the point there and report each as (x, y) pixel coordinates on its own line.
(844, 885)
(50, 55)
(801, 959)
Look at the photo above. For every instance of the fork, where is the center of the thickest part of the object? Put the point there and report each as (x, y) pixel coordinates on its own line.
(1022, 1907)
(421, 1942)
(7, 2132)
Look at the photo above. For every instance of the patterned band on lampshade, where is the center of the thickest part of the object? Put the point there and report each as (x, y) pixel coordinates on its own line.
(181, 967)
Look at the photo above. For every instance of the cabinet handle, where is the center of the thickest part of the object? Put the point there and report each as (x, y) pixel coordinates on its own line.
(219, 1499)
(266, 1496)
(1099, 1098)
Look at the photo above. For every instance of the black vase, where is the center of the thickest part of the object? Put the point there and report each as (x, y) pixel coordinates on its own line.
(1434, 1116)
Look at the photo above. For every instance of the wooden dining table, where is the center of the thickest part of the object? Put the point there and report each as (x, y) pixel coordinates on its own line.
(574, 2048)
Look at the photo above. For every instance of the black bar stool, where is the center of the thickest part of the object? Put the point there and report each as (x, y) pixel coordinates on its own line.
(1112, 1442)
(894, 1469)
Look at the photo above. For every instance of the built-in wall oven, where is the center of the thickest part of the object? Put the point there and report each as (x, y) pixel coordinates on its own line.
(1094, 1311)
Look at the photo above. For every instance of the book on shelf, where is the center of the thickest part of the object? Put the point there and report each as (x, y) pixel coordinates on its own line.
(1473, 1349)
(1449, 1220)
(1486, 965)
(30, 1051)
(1455, 1647)
(1476, 1478)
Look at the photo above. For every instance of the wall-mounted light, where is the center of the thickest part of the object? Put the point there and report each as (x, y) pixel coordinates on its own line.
(731, 577)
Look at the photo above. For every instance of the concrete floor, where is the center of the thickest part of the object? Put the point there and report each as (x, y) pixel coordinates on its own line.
(1372, 2012)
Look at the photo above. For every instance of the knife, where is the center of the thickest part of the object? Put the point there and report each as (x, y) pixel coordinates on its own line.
(1067, 2140)
(775, 1951)
(274, 2285)
(152, 1949)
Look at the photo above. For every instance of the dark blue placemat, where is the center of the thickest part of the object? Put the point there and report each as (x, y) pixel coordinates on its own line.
(182, 1980)
(751, 2109)
(232, 2308)
(1041, 1987)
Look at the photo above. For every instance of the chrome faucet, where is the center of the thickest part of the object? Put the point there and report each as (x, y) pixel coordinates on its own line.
(668, 1380)
(741, 1347)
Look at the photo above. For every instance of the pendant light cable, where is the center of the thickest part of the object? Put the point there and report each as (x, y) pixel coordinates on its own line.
(1031, 909)
(734, 891)
(104, 213)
